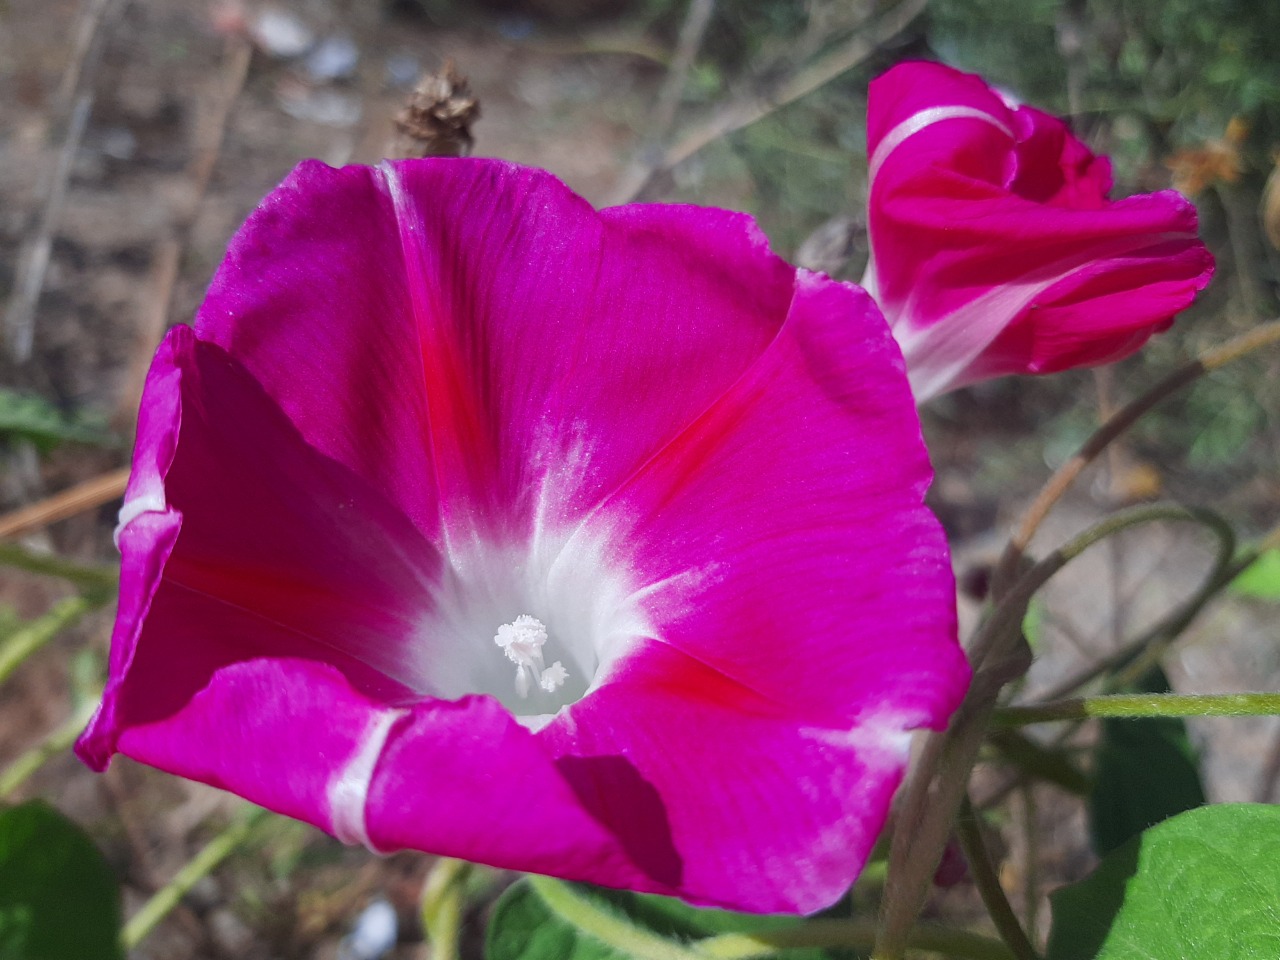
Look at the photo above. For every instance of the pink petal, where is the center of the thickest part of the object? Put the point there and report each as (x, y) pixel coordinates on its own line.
(425, 400)
(994, 247)
(770, 667)
(492, 286)
(240, 540)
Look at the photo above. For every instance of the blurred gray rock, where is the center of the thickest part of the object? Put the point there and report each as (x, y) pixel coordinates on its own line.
(373, 934)
(281, 33)
(333, 58)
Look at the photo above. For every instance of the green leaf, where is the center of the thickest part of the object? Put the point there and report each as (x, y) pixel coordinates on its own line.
(1033, 623)
(58, 897)
(1205, 883)
(676, 919)
(1261, 579)
(1145, 770)
(34, 418)
(523, 927)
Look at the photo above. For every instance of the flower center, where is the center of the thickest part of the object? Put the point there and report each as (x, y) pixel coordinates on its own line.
(522, 640)
(557, 611)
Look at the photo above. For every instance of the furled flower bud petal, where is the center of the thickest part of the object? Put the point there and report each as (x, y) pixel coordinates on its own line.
(994, 248)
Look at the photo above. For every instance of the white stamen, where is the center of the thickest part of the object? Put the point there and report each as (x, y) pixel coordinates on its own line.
(522, 640)
(553, 677)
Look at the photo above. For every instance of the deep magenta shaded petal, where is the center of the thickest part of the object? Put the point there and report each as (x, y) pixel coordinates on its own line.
(771, 661)
(745, 526)
(424, 401)
(743, 757)
(995, 249)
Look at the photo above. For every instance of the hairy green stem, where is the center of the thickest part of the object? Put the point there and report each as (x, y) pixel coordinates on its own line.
(853, 934)
(30, 638)
(1138, 705)
(987, 880)
(201, 865)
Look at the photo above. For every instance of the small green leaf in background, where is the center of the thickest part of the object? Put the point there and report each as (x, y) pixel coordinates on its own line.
(58, 897)
(1203, 884)
(1033, 623)
(676, 919)
(29, 417)
(523, 927)
(1144, 771)
(1261, 579)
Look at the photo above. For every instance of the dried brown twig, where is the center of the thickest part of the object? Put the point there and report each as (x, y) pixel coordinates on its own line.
(83, 496)
(758, 104)
(74, 100)
(639, 170)
(167, 257)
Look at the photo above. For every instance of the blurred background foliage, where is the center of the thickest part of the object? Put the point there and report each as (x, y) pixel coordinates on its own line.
(1179, 93)
(1182, 93)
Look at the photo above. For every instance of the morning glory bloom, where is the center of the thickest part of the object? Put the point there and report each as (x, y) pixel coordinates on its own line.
(994, 248)
(467, 519)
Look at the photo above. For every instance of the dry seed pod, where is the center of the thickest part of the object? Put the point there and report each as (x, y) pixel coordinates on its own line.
(436, 121)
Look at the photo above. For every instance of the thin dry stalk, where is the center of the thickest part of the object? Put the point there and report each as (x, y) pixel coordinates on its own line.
(20, 317)
(756, 106)
(166, 259)
(689, 42)
(83, 496)
(74, 100)
(1260, 336)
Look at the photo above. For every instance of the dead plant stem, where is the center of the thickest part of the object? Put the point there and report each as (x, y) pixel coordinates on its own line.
(757, 105)
(1117, 424)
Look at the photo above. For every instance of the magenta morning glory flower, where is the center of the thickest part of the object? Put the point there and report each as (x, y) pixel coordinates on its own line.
(994, 248)
(470, 520)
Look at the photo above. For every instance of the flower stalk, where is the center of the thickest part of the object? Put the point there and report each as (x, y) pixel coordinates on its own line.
(987, 880)
(939, 783)
(1142, 705)
(91, 579)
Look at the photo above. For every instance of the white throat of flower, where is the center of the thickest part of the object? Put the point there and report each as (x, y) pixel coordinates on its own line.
(522, 640)
(535, 623)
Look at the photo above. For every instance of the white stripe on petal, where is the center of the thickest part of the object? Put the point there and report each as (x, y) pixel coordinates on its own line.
(939, 351)
(152, 501)
(917, 122)
(349, 790)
